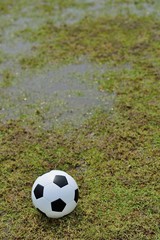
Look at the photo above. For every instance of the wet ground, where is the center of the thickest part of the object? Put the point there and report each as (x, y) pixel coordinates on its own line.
(67, 93)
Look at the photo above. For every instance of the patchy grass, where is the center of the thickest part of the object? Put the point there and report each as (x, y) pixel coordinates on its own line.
(114, 157)
(7, 78)
(106, 40)
(115, 162)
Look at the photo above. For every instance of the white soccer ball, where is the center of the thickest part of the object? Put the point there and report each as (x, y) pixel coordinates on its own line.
(55, 194)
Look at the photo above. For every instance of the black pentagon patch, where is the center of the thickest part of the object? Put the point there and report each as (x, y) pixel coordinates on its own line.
(38, 191)
(76, 195)
(58, 205)
(60, 181)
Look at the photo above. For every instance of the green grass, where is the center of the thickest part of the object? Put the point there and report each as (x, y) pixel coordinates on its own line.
(114, 156)
(7, 78)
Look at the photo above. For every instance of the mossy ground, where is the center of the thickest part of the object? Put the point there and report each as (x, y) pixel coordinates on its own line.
(114, 156)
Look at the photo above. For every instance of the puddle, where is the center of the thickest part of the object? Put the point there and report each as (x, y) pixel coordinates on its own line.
(16, 47)
(93, 8)
(67, 16)
(68, 93)
(113, 8)
(138, 9)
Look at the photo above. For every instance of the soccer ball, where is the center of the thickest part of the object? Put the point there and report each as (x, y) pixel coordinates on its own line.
(55, 194)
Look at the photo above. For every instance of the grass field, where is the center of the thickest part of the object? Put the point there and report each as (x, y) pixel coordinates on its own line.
(114, 154)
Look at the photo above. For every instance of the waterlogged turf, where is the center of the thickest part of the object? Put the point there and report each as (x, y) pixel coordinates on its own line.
(69, 93)
(80, 92)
